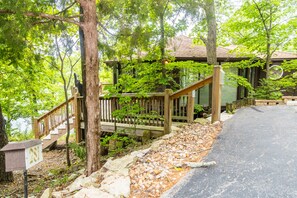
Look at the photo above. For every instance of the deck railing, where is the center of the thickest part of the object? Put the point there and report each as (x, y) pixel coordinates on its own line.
(52, 119)
(132, 109)
(152, 109)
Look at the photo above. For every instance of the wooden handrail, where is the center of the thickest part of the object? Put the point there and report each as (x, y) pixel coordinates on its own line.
(156, 94)
(197, 85)
(54, 109)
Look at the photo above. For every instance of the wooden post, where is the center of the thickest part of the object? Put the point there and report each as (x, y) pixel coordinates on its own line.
(216, 95)
(190, 107)
(46, 125)
(167, 111)
(35, 128)
(76, 105)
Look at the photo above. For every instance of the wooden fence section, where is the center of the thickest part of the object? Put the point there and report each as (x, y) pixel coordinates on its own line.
(51, 120)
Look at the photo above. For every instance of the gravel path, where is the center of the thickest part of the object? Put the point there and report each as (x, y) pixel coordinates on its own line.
(256, 156)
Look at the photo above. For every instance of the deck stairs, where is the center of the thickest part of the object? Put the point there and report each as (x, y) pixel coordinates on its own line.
(58, 132)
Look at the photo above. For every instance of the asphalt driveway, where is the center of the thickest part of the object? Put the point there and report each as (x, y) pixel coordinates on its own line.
(256, 156)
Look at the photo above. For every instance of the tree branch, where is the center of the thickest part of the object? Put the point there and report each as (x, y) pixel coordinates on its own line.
(104, 28)
(67, 8)
(204, 40)
(262, 17)
(43, 15)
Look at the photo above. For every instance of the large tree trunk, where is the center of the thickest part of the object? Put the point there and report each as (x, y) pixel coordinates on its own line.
(4, 176)
(89, 27)
(211, 47)
(162, 48)
(211, 41)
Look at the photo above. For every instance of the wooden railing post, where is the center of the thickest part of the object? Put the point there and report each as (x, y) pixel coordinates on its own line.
(77, 112)
(167, 111)
(35, 128)
(216, 95)
(46, 125)
(190, 107)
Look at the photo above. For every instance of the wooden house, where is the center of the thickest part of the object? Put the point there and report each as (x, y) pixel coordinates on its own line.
(182, 48)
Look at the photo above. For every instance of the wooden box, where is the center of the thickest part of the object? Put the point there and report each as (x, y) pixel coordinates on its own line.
(22, 155)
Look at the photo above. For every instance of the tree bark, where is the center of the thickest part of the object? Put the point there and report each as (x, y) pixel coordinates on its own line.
(4, 176)
(92, 126)
(268, 58)
(211, 43)
(162, 48)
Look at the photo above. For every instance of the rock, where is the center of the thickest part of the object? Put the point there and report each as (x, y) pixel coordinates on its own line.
(72, 176)
(83, 181)
(116, 185)
(118, 164)
(92, 192)
(60, 194)
(141, 153)
(201, 121)
(81, 171)
(155, 146)
(47, 193)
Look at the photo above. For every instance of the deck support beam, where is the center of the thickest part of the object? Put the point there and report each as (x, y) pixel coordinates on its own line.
(216, 94)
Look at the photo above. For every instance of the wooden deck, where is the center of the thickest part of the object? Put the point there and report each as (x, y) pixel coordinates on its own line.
(153, 112)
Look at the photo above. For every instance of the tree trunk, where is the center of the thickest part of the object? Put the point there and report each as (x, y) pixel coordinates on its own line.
(211, 41)
(268, 56)
(89, 27)
(4, 176)
(162, 48)
(211, 47)
(67, 122)
(83, 71)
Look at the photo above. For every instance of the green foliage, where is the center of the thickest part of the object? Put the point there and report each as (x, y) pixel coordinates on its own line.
(274, 89)
(147, 77)
(79, 150)
(128, 108)
(136, 28)
(121, 142)
(17, 136)
(261, 27)
(198, 108)
(190, 71)
(236, 80)
(269, 90)
(26, 80)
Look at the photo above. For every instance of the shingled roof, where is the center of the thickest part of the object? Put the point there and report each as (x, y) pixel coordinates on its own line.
(183, 48)
(283, 56)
